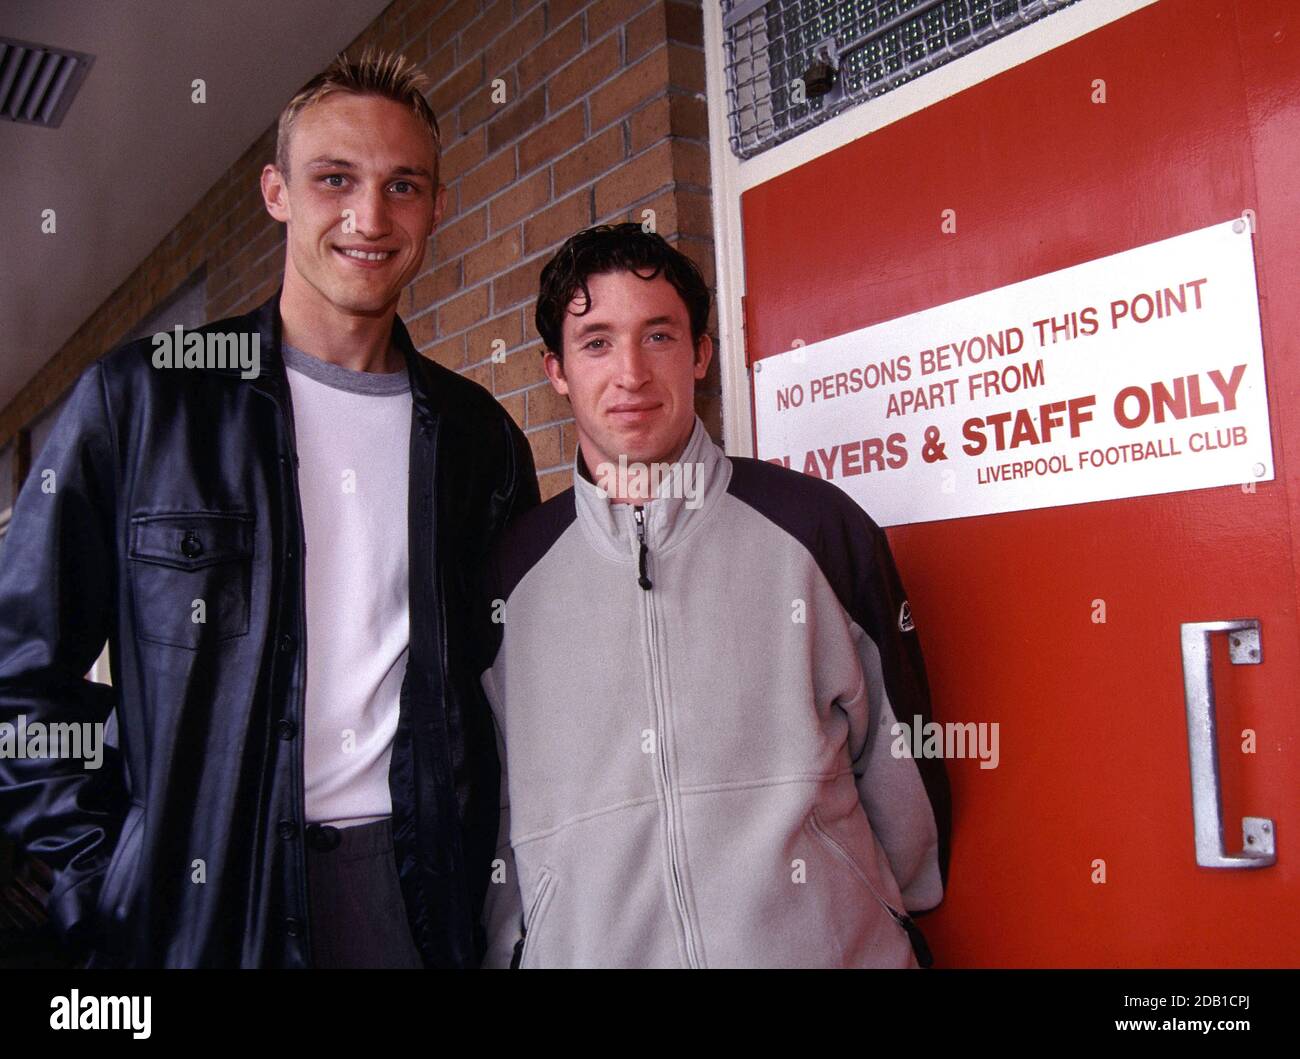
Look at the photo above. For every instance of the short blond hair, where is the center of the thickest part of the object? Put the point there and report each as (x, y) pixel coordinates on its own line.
(390, 75)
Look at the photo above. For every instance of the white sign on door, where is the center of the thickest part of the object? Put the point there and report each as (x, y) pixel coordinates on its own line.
(1131, 375)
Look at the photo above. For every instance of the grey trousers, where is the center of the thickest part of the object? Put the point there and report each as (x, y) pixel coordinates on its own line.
(358, 918)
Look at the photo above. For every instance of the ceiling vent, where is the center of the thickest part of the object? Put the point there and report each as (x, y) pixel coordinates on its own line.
(37, 82)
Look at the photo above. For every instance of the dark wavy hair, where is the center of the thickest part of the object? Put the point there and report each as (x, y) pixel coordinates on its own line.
(614, 248)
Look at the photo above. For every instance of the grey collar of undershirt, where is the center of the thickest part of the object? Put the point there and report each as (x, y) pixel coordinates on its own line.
(372, 383)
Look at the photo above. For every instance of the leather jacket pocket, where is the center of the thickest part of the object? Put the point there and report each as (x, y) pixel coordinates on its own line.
(116, 892)
(190, 576)
(536, 912)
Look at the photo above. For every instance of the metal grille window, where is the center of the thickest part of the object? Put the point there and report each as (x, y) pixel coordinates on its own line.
(792, 64)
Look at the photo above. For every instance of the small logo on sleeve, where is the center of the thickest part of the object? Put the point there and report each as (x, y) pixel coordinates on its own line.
(905, 617)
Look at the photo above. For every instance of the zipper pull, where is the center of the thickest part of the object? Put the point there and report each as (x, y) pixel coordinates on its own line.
(641, 580)
(923, 955)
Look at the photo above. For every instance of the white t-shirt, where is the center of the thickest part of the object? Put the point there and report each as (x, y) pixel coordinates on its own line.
(353, 432)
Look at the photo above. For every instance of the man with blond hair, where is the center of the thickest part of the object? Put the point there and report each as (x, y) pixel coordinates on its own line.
(279, 553)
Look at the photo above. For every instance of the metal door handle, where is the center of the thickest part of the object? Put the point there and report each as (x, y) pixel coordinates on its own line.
(1203, 746)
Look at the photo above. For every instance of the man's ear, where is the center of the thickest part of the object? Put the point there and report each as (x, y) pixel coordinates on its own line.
(439, 204)
(703, 354)
(275, 192)
(554, 368)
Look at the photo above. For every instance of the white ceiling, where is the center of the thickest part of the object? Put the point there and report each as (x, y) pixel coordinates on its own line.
(134, 154)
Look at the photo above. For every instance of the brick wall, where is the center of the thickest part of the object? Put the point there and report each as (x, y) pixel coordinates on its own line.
(603, 118)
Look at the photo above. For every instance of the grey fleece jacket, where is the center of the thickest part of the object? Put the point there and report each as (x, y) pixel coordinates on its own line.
(696, 764)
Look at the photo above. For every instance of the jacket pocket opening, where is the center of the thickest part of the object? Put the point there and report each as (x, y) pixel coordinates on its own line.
(536, 911)
(900, 918)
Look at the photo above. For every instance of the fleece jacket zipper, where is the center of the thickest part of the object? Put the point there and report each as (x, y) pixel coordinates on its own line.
(661, 748)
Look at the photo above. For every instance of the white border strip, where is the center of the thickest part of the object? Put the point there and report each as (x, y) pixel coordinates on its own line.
(732, 177)
(728, 247)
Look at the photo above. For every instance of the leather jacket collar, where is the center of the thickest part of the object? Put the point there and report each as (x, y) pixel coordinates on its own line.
(427, 398)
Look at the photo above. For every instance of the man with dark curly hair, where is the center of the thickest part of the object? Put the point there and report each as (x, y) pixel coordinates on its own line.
(696, 663)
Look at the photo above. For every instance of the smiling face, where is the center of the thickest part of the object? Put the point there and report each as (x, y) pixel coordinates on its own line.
(359, 202)
(629, 369)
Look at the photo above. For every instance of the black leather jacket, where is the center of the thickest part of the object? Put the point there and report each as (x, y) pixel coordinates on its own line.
(159, 487)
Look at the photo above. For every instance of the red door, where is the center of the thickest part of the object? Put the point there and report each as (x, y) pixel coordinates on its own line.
(1201, 122)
